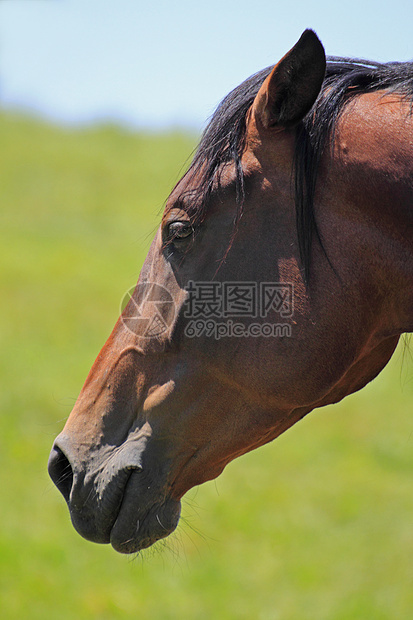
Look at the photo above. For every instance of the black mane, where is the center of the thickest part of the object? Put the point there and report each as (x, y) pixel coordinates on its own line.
(223, 139)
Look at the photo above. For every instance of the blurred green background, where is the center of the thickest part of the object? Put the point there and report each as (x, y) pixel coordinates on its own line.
(317, 525)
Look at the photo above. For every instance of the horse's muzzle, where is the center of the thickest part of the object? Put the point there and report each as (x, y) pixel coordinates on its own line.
(111, 498)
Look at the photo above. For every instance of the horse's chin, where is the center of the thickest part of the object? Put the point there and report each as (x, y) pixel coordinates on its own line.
(137, 525)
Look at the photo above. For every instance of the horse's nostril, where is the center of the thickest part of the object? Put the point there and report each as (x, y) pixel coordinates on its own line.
(60, 472)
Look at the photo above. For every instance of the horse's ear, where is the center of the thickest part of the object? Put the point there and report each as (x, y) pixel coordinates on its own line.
(293, 85)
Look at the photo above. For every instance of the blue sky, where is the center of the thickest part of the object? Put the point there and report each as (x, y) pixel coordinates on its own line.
(158, 64)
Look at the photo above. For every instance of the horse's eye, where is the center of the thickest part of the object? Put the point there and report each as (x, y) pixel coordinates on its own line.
(179, 230)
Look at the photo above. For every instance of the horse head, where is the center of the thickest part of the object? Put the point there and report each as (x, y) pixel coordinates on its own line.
(247, 314)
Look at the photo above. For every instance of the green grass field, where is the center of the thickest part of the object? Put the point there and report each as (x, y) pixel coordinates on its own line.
(317, 525)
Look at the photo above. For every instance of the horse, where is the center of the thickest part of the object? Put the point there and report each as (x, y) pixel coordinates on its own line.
(279, 281)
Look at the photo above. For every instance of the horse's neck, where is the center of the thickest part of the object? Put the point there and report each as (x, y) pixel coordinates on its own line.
(374, 151)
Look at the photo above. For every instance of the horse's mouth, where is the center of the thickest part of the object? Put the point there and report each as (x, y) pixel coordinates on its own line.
(140, 523)
(116, 499)
(131, 514)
